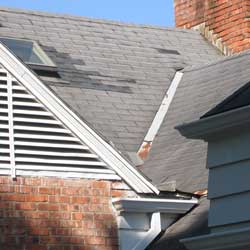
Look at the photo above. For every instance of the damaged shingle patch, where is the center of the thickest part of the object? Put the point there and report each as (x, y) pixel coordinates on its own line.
(127, 80)
(167, 51)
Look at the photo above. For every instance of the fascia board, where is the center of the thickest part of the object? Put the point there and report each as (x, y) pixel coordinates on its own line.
(206, 127)
(145, 205)
(233, 240)
(87, 135)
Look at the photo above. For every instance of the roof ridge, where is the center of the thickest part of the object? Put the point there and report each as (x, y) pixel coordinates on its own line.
(91, 19)
(217, 61)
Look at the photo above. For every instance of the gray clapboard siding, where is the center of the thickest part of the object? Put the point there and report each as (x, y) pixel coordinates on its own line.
(228, 149)
(229, 210)
(229, 179)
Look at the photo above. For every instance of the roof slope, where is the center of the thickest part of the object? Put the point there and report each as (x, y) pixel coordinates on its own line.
(238, 99)
(175, 158)
(193, 224)
(114, 75)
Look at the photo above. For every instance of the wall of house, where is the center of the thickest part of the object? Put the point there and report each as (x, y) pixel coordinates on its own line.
(229, 175)
(45, 213)
(226, 23)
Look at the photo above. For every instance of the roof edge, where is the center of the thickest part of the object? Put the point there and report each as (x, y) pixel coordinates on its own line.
(206, 127)
(92, 19)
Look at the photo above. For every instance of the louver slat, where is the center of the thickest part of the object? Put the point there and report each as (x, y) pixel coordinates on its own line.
(42, 144)
(4, 127)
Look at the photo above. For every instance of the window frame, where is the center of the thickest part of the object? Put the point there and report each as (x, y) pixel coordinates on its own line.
(48, 63)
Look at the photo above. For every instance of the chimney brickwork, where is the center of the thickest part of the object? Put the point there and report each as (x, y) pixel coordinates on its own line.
(226, 23)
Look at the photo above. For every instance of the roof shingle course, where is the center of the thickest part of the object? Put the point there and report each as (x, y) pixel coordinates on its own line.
(113, 74)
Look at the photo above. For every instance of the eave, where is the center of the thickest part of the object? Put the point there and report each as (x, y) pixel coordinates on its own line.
(206, 127)
(233, 240)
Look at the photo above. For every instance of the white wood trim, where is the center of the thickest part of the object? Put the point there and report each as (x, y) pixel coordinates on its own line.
(63, 174)
(47, 137)
(4, 142)
(55, 153)
(11, 127)
(50, 145)
(162, 111)
(34, 120)
(64, 169)
(3, 110)
(41, 129)
(28, 104)
(63, 162)
(31, 112)
(5, 158)
(24, 96)
(87, 135)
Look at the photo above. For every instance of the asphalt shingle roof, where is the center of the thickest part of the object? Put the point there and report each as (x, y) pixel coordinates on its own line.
(175, 158)
(114, 75)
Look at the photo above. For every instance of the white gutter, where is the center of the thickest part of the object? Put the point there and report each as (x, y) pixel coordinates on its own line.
(141, 220)
(159, 117)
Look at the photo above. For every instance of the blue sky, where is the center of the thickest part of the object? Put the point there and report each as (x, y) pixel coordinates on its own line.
(156, 12)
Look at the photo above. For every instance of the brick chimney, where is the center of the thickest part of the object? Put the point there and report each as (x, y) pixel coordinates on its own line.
(225, 23)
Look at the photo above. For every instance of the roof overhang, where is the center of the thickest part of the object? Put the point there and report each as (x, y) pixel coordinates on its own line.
(233, 240)
(207, 127)
(146, 205)
(78, 127)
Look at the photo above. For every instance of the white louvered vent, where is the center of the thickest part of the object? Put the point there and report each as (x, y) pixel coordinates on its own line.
(34, 142)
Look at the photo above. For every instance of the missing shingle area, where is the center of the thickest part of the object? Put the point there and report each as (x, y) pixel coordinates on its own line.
(168, 51)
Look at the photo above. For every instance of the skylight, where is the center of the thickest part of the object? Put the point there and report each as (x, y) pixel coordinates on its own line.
(28, 51)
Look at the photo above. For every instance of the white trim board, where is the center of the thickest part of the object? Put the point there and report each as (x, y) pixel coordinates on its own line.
(87, 135)
(160, 115)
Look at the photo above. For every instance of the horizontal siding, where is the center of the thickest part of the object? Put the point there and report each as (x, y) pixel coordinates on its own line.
(229, 210)
(227, 150)
(229, 179)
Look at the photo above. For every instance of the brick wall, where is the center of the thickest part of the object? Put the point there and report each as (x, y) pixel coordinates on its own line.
(58, 214)
(227, 20)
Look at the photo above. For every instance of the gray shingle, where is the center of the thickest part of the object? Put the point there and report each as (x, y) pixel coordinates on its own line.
(118, 66)
(174, 158)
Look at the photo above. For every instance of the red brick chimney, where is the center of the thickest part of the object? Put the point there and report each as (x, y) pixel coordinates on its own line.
(226, 23)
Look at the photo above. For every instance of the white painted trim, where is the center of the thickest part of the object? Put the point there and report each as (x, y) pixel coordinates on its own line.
(162, 112)
(11, 127)
(87, 135)
(231, 239)
(153, 232)
(145, 205)
(59, 174)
